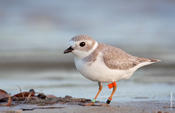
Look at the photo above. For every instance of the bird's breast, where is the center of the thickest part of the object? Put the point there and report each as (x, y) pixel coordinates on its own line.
(97, 71)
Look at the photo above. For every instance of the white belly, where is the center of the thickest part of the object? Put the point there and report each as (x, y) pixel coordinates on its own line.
(98, 71)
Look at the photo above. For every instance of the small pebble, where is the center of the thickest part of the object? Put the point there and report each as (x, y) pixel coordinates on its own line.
(41, 96)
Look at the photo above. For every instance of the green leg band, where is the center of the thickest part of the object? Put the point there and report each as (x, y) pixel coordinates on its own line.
(93, 100)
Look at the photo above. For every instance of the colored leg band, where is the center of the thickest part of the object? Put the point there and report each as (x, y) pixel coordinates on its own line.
(111, 85)
(108, 101)
(93, 100)
(110, 98)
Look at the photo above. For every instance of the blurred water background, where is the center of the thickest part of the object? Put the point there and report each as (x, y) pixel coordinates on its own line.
(34, 34)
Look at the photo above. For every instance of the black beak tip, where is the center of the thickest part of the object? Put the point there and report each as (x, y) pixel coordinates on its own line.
(68, 50)
(65, 51)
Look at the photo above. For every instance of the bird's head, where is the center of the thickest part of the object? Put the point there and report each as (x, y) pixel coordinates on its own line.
(81, 46)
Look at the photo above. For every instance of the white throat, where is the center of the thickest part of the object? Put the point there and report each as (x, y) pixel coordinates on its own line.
(83, 54)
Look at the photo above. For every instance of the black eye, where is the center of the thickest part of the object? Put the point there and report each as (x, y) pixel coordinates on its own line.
(82, 44)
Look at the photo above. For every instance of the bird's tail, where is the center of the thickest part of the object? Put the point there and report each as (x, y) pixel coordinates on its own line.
(146, 61)
(151, 60)
(154, 60)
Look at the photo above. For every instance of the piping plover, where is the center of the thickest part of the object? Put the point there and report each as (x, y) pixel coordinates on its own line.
(103, 63)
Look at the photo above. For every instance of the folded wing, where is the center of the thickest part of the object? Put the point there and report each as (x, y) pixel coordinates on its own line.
(116, 58)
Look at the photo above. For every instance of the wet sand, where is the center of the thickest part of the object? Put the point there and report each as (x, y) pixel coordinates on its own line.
(119, 107)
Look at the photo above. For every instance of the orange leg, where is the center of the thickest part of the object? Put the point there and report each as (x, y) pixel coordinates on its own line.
(99, 90)
(113, 91)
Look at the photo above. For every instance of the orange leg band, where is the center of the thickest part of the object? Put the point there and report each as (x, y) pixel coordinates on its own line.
(111, 85)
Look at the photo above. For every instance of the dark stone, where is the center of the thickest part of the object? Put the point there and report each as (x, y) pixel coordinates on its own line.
(41, 96)
(32, 90)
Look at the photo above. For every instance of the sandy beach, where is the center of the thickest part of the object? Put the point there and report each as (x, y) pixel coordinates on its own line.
(116, 107)
(128, 107)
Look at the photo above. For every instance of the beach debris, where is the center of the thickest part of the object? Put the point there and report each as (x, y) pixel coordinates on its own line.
(51, 96)
(41, 96)
(9, 102)
(39, 99)
(3, 95)
(30, 93)
(24, 95)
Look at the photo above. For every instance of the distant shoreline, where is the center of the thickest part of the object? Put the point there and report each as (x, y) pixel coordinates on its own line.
(55, 59)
